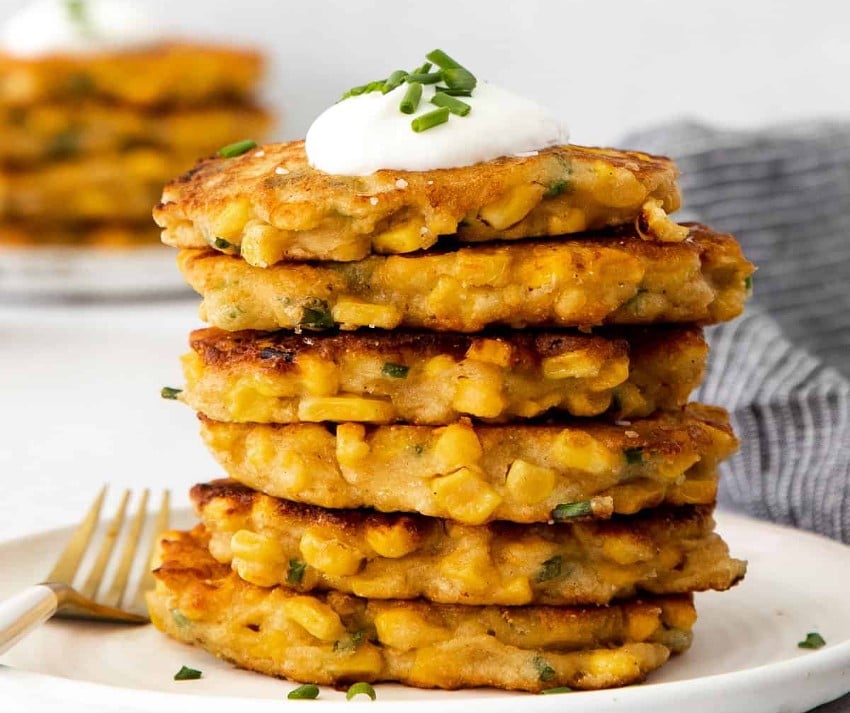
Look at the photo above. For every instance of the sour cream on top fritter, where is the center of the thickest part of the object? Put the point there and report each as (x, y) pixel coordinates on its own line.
(49, 27)
(363, 134)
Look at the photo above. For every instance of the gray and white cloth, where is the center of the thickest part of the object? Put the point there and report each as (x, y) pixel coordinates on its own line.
(783, 369)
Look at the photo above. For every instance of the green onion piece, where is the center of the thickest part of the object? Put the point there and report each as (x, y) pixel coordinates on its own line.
(442, 60)
(454, 92)
(307, 692)
(179, 618)
(633, 455)
(455, 106)
(395, 371)
(459, 78)
(168, 392)
(64, 144)
(237, 149)
(567, 511)
(555, 189)
(813, 640)
(748, 284)
(187, 674)
(78, 14)
(222, 244)
(544, 671)
(550, 569)
(559, 689)
(424, 77)
(296, 571)
(424, 68)
(80, 85)
(411, 98)
(375, 86)
(429, 120)
(394, 80)
(363, 688)
(316, 315)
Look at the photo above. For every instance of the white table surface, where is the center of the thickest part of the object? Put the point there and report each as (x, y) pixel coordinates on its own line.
(80, 407)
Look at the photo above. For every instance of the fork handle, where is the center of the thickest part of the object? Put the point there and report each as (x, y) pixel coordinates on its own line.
(24, 611)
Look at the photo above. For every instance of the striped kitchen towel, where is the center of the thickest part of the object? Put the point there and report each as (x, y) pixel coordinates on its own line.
(783, 369)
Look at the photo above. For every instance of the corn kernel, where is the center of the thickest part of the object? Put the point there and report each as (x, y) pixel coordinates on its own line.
(491, 351)
(193, 368)
(572, 365)
(482, 270)
(468, 569)
(613, 373)
(258, 573)
(393, 541)
(642, 624)
(262, 245)
(678, 614)
(693, 492)
(510, 209)
(482, 398)
(457, 445)
(517, 592)
(406, 630)
(438, 365)
(250, 545)
(245, 404)
(617, 187)
(465, 496)
(588, 403)
(320, 377)
(362, 314)
(626, 549)
(230, 222)
(351, 445)
(401, 239)
(529, 484)
(659, 225)
(571, 221)
(329, 555)
(345, 408)
(579, 450)
(316, 617)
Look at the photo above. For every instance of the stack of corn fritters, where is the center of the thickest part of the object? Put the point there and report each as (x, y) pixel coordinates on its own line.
(88, 140)
(459, 456)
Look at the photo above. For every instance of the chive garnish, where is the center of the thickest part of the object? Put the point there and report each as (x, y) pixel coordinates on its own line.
(748, 284)
(296, 571)
(555, 189)
(430, 120)
(442, 60)
(394, 80)
(411, 99)
(307, 692)
(559, 689)
(395, 371)
(633, 455)
(179, 618)
(237, 149)
(222, 244)
(316, 315)
(187, 674)
(459, 78)
(64, 144)
(550, 569)
(455, 106)
(454, 92)
(361, 688)
(544, 671)
(425, 77)
(169, 392)
(78, 14)
(567, 511)
(375, 86)
(813, 640)
(424, 68)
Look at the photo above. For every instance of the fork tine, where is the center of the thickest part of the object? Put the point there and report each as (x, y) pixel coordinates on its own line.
(146, 582)
(122, 574)
(96, 575)
(69, 561)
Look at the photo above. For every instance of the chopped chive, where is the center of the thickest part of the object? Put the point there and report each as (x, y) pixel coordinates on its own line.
(80, 84)
(550, 569)
(424, 68)
(442, 60)
(455, 106)
(375, 86)
(179, 618)
(459, 78)
(222, 244)
(748, 284)
(429, 120)
(307, 692)
(169, 392)
(187, 674)
(395, 371)
(316, 315)
(351, 643)
(454, 92)
(544, 671)
(567, 511)
(237, 149)
(555, 189)
(425, 77)
(813, 640)
(411, 99)
(64, 144)
(633, 455)
(296, 571)
(394, 80)
(559, 689)
(418, 449)
(363, 688)
(79, 16)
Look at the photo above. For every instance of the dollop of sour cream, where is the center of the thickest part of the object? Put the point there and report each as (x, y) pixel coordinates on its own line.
(366, 133)
(60, 27)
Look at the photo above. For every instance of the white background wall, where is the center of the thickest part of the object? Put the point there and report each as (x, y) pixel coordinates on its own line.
(605, 66)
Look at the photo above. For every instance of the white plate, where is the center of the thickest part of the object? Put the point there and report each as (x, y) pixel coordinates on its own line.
(56, 272)
(745, 657)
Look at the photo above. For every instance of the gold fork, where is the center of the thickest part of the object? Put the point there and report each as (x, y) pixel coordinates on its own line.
(57, 597)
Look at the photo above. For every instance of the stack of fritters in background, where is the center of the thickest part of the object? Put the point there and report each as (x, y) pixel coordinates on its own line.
(89, 139)
(452, 464)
